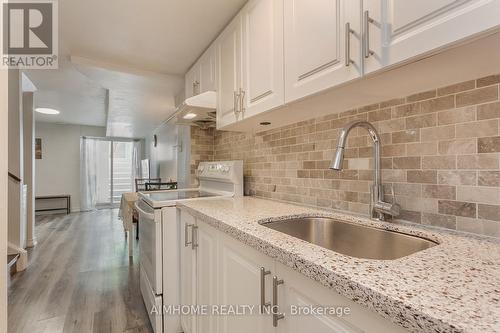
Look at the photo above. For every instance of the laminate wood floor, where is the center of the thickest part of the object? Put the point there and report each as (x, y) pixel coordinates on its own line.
(79, 279)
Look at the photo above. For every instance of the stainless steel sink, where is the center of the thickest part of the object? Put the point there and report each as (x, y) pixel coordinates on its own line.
(354, 240)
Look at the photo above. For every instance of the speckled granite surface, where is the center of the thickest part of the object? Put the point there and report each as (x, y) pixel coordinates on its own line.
(452, 287)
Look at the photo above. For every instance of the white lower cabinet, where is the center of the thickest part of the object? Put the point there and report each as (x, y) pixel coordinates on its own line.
(298, 295)
(187, 270)
(228, 273)
(205, 243)
(245, 279)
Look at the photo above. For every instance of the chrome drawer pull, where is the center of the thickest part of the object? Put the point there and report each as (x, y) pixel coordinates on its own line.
(276, 314)
(194, 235)
(186, 235)
(366, 26)
(264, 306)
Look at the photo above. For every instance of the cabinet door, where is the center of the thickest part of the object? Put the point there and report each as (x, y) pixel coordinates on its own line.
(192, 81)
(187, 270)
(205, 238)
(416, 27)
(228, 72)
(262, 56)
(299, 292)
(240, 283)
(207, 70)
(317, 45)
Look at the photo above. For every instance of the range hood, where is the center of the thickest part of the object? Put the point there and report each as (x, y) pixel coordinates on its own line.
(198, 110)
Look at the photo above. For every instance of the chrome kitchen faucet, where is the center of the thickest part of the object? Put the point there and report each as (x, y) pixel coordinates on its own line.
(378, 207)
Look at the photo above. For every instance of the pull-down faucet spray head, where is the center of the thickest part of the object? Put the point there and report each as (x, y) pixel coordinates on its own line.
(337, 160)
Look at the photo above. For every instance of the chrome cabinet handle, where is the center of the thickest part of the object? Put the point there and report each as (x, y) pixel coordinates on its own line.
(194, 235)
(186, 235)
(242, 99)
(348, 32)
(366, 32)
(263, 304)
(275, 309)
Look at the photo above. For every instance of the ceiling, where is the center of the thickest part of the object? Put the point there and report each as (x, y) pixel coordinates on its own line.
(122, 62)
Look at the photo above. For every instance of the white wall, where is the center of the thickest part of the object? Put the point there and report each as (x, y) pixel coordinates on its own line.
(58, 172)
(3, 197)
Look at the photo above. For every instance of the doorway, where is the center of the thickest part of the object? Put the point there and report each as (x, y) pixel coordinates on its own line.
(109, 168)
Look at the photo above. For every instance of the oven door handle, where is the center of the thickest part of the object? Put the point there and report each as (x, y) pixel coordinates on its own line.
(143, 212)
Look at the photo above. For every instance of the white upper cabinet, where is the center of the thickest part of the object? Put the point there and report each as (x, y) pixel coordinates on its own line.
(192, 80)
(402, 29)
(262, 56)
(207, 70)
(201, 77)
(228, 66)
(322, 45)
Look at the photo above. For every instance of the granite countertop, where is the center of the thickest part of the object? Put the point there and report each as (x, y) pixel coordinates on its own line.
(452, 287)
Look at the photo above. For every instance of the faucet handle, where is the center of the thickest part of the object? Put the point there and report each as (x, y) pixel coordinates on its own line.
(393, 194)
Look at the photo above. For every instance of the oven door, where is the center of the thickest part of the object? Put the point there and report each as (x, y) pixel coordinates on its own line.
(150, 244)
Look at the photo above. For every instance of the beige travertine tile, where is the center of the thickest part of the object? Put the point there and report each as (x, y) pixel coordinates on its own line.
(489, 161)
(392, 102)
(379, 115)
(488, 145)
(421, 96)
(439, 191)
(410, 135)
(420, 149)
(422, 176)
(489, 212)
(411, 190)
(437, 104)
(478, 226)
(370, 107)
(421, 121)
(439, 162)
(359, 163)
(489, 178)
(390, 125)
(406, 110)
(461, 115)
(488, 111)
(477, 129)
(454, 177)
(457, 147)
(457, 208)
(412, 216)
(488, 80)
(406, 162)
(389, 175)
(394, 150)
(477, 96)
(437, 220)
(437, 133)
(488, 195)
(458, 87)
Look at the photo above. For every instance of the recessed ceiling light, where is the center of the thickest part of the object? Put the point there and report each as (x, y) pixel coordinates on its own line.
(47, 111)
(190, 116)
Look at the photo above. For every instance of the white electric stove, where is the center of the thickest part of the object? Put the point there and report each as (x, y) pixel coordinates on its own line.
(159, 236)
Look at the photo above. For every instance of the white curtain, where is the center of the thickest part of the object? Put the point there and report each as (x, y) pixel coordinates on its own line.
(136, 162)
(88, 174)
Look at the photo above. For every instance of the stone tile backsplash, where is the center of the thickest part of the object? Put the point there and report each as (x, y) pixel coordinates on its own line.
(440, 156)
